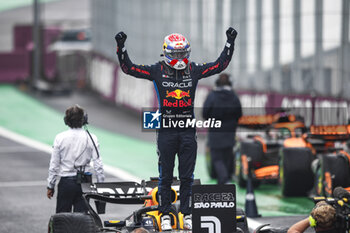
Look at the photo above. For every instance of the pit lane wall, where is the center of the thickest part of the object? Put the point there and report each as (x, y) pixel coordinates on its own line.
(112, 84)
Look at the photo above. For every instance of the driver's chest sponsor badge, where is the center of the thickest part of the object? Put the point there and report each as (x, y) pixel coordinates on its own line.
(214, 208)
(151, 119)
(177, 98)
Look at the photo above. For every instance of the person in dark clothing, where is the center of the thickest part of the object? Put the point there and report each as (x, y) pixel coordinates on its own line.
(175, 80)
(223, 104)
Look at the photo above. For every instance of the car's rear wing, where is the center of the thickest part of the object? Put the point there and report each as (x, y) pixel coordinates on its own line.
(115, 192)
(256, 121)
(264, 121)
(330, 132)
(125, 192)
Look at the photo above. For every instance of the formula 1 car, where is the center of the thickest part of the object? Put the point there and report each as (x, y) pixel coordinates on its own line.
(332, 166)
(279, 155)
(310, 163)
(147, 216)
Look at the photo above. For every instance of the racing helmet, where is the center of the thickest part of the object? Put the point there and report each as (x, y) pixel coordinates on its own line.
(176, 51)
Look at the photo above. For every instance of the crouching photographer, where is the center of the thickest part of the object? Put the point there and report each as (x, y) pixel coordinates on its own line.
(330, 215)
(70, 159)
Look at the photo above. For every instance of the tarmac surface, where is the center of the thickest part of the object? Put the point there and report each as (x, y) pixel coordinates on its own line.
(24, 207)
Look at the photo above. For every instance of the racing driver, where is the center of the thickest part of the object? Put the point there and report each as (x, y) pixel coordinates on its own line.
(175, 79)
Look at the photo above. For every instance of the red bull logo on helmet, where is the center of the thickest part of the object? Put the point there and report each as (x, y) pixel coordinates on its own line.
(179, 46)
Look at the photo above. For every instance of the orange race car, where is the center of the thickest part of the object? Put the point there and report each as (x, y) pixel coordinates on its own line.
(279, 155)
(273, 150)
(332, 165)
(312, 163)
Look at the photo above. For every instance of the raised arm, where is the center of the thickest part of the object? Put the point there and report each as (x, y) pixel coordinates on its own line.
(138, 71)
(208, 69)
(300, 226)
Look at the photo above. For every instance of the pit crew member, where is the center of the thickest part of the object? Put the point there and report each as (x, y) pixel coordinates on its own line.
(72, 151)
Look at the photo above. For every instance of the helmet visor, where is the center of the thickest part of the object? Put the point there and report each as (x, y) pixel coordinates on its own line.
(178, 54)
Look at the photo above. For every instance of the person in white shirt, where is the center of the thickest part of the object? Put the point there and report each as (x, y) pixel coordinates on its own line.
(73, 150)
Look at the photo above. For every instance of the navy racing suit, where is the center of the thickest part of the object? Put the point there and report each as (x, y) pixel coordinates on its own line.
(176, 92)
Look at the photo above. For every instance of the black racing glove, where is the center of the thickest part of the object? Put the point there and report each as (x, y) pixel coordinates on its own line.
(120, 38)
(231, 34)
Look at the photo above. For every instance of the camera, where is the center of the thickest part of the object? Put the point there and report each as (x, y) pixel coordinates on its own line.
(342, 208)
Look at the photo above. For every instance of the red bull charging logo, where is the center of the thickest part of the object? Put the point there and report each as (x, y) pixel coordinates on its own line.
(178, 95)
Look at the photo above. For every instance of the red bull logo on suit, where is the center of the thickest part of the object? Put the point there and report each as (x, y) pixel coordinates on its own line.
(182, 99)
